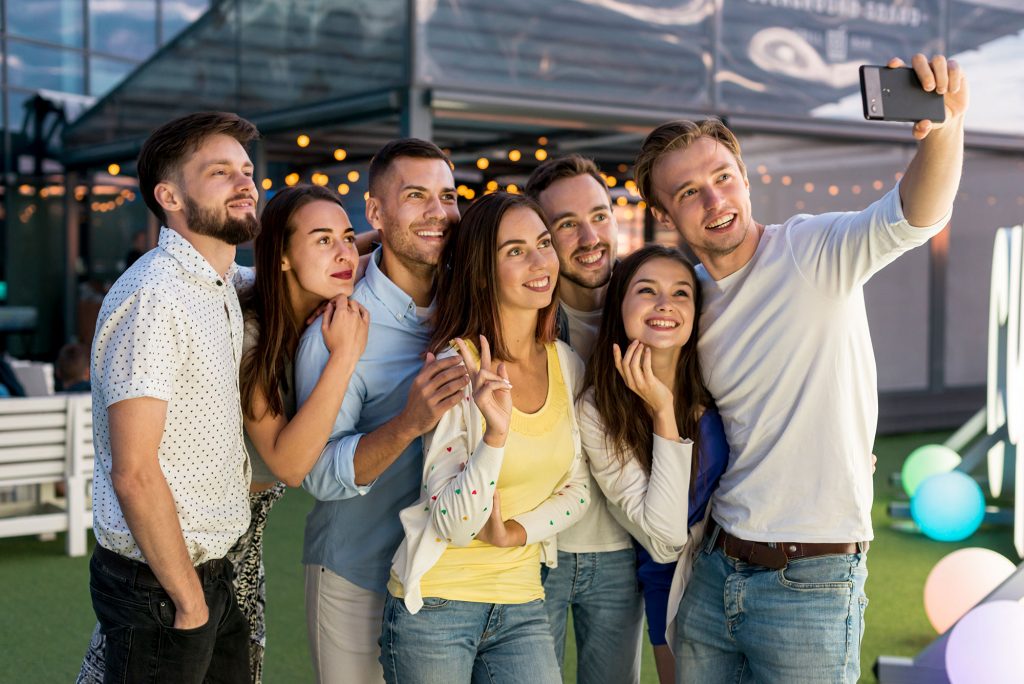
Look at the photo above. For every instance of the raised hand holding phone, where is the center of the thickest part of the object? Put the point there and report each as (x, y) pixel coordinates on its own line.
(492, 391)
(942, 77)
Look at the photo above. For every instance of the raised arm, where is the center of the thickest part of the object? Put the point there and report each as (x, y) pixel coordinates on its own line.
(136, 428)
(291, 448)
(933, 176)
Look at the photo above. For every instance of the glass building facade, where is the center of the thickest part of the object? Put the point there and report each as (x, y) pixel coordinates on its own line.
(501, 86)
(71, 53)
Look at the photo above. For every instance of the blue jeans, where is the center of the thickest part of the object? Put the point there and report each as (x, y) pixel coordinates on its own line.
(607, 613)
(460, 641)
(740, 622)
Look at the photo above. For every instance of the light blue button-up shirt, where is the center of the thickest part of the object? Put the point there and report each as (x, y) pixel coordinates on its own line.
(354, 530)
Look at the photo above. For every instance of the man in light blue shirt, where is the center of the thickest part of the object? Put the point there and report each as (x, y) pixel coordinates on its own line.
(372, 466)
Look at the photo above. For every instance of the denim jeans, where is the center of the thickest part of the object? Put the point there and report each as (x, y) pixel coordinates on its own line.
(461, 641)
(607, 613)
(740, 622)
(137, 620)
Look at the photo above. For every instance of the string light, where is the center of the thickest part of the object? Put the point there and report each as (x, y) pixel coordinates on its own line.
(833, 190)
(353, 176)
(808, 187)
(482, 163)
(266, 183)
(514, 155)
(786, 180)
(291, 179)
(340, 154)
(492, 185)
(114, 169)
(302, 140)
(343, 189)
(541, 154)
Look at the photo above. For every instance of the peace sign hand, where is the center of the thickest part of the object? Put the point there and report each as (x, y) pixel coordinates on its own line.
(492, 392)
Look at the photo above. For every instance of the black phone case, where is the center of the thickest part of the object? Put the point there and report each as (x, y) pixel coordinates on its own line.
(896, 95)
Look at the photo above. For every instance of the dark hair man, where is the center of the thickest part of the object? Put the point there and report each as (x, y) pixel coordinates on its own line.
(172, 475)
(72, 367)
(778, 592)
(372, 466)
(596, 572)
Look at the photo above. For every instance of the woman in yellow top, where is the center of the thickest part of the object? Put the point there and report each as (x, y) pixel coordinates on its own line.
(503, 471)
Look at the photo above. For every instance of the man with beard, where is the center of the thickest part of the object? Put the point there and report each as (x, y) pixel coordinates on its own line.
(596, 573)
(171, 473)
(372, 466)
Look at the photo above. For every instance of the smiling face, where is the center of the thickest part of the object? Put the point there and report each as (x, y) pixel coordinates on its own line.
(218, 193)
(658, 308)
(583, 229)
(321, 258)
(527, 266)
(417, 206)
(704, 196)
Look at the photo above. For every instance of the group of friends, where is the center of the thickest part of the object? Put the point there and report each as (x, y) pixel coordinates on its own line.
(501, 421)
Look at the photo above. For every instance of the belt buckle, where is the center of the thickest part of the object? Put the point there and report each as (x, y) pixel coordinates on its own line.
(768, 555)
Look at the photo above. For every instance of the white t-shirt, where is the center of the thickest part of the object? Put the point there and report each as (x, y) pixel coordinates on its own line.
(597, 530)
(583, 329)
(787, 355)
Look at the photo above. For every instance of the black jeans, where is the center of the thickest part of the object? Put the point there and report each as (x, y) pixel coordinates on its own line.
(137, 618)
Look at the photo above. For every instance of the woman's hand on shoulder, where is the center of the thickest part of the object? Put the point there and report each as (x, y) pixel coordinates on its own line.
(492, 392)
(345, 325)
(635, 368)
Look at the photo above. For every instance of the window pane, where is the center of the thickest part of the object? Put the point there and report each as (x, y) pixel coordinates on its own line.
(177, 14)
(55, 21)
(35, 67)
(126, 28)
(105, 73)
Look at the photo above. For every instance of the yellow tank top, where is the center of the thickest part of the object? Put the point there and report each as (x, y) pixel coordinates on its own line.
(538, 453)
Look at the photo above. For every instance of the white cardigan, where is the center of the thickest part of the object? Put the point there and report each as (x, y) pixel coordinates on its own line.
(652, 508)
(460, 474)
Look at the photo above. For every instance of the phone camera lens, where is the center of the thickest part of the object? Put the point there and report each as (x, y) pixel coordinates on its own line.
(874, 107)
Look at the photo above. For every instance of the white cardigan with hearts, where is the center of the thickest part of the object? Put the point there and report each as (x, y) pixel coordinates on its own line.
(460, 472)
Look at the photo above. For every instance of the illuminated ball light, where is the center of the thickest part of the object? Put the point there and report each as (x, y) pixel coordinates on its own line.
(925, 461)
(959, 581)
(948, 507)
(985, 645)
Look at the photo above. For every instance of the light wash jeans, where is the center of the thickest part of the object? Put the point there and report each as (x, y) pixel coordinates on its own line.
(607, 613)
(745, 623)
(461, 641)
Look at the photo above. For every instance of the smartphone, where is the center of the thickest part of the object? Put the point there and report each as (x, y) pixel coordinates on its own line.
(896, 95)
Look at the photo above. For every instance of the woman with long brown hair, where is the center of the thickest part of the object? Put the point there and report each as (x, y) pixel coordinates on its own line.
(503, 471)
(305, 255)
(642, 391)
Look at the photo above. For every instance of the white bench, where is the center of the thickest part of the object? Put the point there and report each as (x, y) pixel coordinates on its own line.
(43, 441)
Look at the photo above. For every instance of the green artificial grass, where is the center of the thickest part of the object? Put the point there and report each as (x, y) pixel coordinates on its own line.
(47, 616)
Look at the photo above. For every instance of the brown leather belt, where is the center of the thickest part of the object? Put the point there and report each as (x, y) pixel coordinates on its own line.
(776, 555)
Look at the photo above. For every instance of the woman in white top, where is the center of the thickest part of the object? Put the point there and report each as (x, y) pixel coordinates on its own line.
(643, 389)
(503, 470)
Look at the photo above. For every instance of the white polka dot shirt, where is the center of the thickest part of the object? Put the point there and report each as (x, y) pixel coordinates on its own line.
(171, 328)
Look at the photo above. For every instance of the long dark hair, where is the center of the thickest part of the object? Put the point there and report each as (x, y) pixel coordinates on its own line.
(263, 366)
(467, 281)
(629, 427)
